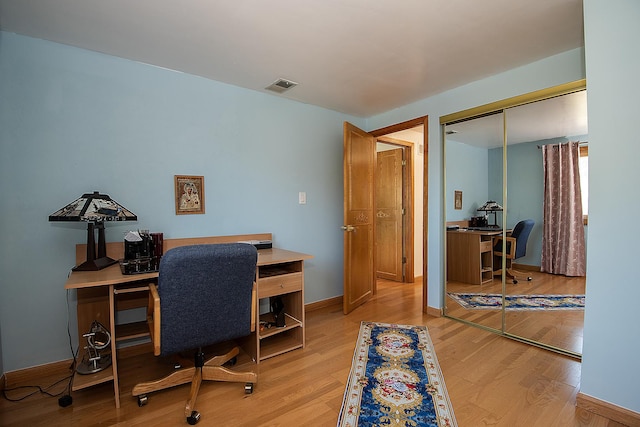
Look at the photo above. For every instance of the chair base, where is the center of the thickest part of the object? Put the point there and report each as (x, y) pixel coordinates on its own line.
(211, 370)
(512, 274)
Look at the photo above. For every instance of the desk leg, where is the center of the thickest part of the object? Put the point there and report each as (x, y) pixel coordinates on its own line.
(114, 361)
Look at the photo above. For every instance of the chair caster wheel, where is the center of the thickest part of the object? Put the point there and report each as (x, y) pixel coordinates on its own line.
(142, 400)
(515, 282)
(529, 279)
(248, 388)
(193, 418)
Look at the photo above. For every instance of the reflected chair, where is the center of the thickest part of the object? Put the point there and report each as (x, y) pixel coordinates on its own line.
(516, 247)
(205, 295)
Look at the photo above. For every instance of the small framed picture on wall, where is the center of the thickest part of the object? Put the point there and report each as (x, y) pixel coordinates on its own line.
(457, 199)
(189, 192)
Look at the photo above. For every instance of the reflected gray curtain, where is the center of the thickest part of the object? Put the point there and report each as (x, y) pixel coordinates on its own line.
(563, 244)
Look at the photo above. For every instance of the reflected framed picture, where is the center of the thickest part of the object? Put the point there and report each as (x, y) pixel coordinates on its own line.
(189, 191)
(457, 199)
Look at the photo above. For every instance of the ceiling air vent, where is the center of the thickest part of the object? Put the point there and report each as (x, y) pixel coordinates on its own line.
(281, 85)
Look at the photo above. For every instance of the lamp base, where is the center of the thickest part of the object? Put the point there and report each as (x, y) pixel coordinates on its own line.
(96, 264)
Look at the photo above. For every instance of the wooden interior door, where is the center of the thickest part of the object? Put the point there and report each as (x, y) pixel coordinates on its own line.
(389, 233)
(359, 190)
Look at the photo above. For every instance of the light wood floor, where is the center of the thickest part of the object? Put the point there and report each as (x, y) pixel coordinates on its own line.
(558, 328)
(492, 381)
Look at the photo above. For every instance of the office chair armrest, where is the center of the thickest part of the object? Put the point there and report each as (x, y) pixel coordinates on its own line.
(254, 303)
(511, 246)
(153, 317)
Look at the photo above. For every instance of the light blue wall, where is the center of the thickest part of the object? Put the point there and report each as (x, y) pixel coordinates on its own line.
(610, 369)
(525, 194)
(73, 121)
(495, 161)
(1, 363)
(466, 170)
(555, 70)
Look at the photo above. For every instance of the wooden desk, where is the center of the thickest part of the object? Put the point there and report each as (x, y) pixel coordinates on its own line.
(102, 293)
(470, 256)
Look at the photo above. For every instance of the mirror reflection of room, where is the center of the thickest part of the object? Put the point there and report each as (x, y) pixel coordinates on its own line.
(542, 254)
(471, 168)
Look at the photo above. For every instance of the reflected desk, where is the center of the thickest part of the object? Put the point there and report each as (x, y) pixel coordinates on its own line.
(101, 294)
(470, 255)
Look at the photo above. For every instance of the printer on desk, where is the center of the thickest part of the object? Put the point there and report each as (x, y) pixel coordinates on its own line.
(259, 244)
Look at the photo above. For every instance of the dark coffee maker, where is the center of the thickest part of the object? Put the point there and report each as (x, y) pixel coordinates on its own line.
(277, 309)
(136, 249)
(142, 252)
(478, 221)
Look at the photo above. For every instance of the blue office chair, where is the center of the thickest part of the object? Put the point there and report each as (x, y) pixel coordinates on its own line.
(516, 247)
(205, 295)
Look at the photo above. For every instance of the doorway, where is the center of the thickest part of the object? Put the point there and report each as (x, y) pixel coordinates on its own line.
(394, 210)
(357, 257)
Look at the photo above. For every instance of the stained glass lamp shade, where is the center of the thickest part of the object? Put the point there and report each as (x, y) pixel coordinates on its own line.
(94, 209)
(491, 207)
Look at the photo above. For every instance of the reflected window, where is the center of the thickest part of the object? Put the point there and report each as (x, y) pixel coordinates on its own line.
(583, 165)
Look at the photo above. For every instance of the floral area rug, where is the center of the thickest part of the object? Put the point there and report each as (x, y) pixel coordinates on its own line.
(395, 380)
(519, 302)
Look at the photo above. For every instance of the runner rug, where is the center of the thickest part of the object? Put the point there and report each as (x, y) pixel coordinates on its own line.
(519, 302)
(395, 380)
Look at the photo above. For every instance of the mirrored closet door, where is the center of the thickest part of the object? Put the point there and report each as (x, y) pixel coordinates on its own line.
(473, 181)
(506, 264)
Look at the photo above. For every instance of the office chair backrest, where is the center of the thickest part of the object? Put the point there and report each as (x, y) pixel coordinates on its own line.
(205, 295)
(521, 233)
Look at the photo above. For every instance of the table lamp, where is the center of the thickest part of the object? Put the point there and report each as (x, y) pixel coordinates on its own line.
(94, 209)
(491, 206)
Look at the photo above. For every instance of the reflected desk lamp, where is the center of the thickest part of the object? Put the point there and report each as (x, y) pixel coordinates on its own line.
(94, 209)
(491, 207)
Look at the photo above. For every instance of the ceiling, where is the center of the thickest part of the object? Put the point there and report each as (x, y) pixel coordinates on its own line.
(360, 57)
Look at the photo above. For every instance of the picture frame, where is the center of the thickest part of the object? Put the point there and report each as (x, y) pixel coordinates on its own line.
(457, 199)
(189, 194)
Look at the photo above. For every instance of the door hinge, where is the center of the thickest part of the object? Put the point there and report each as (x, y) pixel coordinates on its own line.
(404, 259)
(404, 211)
(404, 163)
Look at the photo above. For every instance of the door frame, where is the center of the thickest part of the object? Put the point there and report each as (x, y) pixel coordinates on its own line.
(424, 121)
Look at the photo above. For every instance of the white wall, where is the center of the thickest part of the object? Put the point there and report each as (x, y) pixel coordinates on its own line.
(610, 370)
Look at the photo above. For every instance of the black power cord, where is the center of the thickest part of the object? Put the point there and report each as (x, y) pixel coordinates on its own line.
(38, 389)
(65, 395)
(66, 399)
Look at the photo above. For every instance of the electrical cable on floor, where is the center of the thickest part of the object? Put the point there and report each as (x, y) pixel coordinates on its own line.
(65, 399)
(38, 389)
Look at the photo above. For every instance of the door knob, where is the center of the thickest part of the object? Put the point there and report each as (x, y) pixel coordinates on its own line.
(348, 228)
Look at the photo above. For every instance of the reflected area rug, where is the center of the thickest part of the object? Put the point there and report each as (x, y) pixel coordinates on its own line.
(395, 380)
(519, 302)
